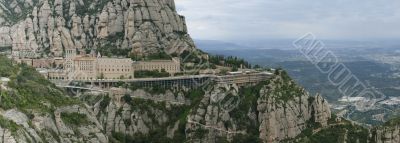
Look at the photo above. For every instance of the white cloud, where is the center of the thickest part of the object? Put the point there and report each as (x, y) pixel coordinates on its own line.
(269, 19)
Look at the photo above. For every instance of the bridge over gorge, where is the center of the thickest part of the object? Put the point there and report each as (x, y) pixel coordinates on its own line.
(193, 81)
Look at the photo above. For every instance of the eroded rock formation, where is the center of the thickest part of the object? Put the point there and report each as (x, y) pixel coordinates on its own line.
(49, 27)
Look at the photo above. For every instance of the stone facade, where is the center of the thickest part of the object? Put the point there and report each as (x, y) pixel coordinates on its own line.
(112, 68)
(42, 63)
(91, 68)
(171, 66)
(55, 74)
(85, 68)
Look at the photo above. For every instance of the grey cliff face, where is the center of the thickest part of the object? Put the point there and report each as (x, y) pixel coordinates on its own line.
(46, 26)
(389, 133)
(50, 127)
(270, 118)
(265, 113)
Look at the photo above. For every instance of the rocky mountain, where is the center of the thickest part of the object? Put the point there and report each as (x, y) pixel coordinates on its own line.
(387, 133)
(34, 110)
(277, 110)
(48, 27)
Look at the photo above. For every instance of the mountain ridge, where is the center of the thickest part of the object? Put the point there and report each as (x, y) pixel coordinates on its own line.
(33, 110)
(50, 27)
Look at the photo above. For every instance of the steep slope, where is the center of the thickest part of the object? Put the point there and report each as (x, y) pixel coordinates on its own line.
(34, 110)
(342, 131)
(387, 133)
(337, 131)
(272, 111)
(115, 27)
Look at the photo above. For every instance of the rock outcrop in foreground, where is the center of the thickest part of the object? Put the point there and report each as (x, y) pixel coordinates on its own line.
(33, 110)
(50, 26)
(387, 133)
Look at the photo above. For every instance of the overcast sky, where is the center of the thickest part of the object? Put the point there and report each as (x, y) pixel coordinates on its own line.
(276, 19)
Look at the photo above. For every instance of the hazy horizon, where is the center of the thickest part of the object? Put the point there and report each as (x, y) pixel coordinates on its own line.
(290, 19)
(209, 44)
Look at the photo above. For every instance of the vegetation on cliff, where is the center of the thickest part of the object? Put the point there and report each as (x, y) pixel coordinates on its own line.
(9, 125)
(151, 74)
(29, 90)
(13, 17)
(336, 132)
(32, 109)
(229, 61)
